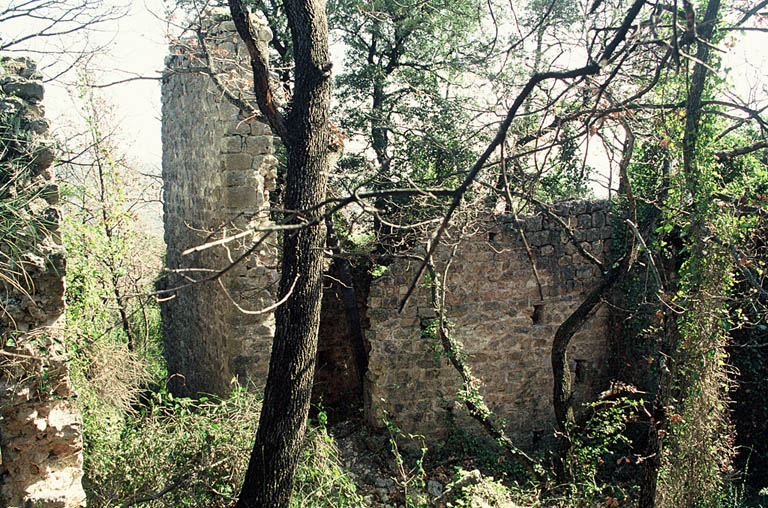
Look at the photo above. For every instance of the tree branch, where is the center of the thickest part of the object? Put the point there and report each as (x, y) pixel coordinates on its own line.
(260, 65)
(591, 68)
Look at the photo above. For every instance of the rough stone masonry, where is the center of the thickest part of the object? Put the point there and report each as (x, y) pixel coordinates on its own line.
(41, 429)
(218, 167)
(505, 322)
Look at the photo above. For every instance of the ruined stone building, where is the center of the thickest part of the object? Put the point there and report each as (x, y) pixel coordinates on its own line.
(40, 427)
(218, 169)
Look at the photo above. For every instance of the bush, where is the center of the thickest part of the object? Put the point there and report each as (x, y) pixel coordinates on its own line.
(173, 452)
(601, 456)
(184, 452)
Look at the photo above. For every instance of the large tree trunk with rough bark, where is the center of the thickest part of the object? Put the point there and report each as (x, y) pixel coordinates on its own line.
(304, 131)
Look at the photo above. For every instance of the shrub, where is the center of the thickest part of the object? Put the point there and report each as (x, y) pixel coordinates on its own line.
(184, 452)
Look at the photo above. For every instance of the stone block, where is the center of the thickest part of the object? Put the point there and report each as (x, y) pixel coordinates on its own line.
(30, 90)
(238, 162)
(242, 128)
(239, 178)
(264, 33)
(533, 223)
(579, 206)
(538, 238)
(562, 209)
(584, 272)
(259, 145)
(232, 144)
(260, 128)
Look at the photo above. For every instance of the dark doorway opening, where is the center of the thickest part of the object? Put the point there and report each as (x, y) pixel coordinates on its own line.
(338, 385)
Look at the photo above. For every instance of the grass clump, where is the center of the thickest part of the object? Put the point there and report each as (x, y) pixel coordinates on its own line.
(321, 480)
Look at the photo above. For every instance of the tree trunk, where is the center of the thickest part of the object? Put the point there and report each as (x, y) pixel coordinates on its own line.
(380, 145)
(657, 423)
(562, 397)
(269, 479)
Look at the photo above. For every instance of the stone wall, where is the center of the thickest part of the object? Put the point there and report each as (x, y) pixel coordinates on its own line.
(218, 167)
(507, 329)
(40, 429)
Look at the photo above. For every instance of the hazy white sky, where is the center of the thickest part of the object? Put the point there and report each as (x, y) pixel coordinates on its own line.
(137, 46)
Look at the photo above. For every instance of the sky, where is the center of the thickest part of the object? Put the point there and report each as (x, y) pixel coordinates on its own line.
(133, 45)
(137, 46)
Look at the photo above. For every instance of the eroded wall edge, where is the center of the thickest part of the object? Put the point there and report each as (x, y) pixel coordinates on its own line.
(41, 428)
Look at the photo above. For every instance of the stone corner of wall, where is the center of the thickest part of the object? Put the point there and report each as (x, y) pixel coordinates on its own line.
(231, 157)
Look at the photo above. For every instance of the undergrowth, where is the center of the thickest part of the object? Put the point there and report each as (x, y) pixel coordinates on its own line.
(193, 453)
(143, 446)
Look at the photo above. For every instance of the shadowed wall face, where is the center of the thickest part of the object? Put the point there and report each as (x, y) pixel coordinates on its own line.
(507, 329)
(218, 168)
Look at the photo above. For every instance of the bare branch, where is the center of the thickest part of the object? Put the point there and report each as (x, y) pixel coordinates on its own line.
(641, 241)
(592, 68)
(260, 65)
(265, 310)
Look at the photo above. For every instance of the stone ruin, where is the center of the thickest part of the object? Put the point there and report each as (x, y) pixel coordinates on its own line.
(505, 321)
(40, 429)
(218, 168)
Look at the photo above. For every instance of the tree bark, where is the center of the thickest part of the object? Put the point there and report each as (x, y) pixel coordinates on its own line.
(269, 479)
(650, 478)
(562, 399)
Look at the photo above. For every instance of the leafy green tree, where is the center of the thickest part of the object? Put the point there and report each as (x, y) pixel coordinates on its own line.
(623, 69)
(404, 95)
